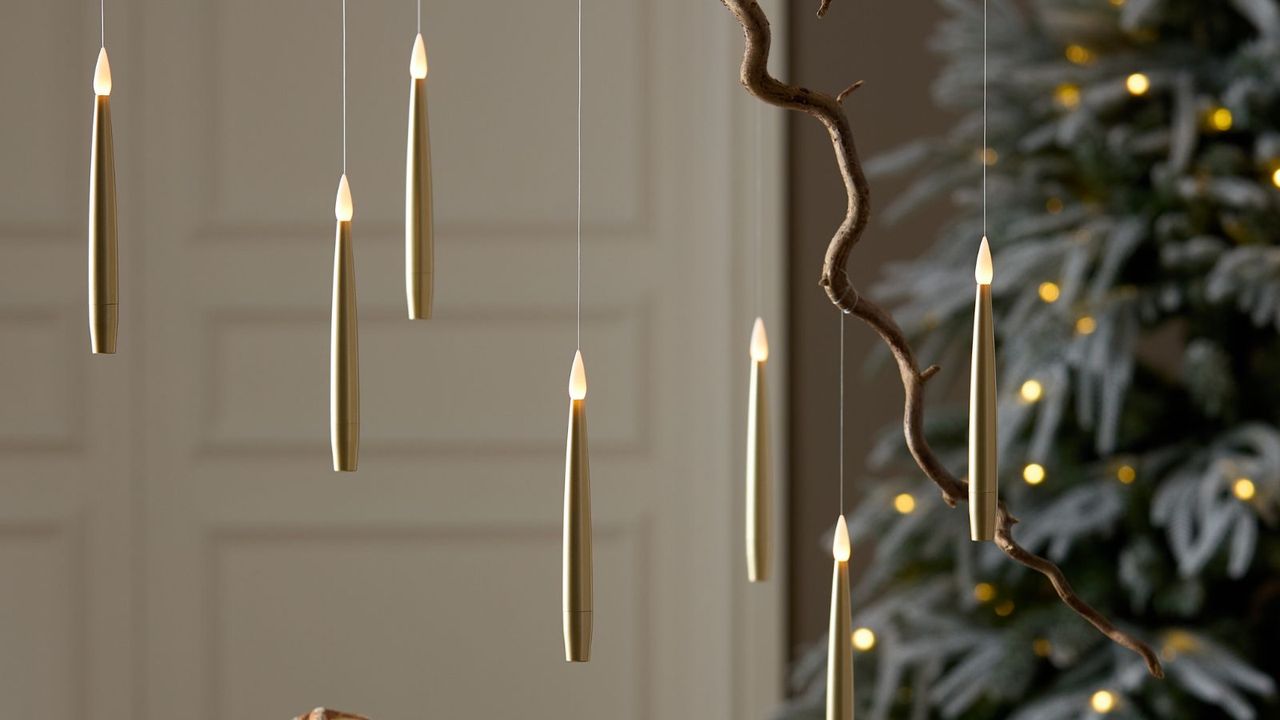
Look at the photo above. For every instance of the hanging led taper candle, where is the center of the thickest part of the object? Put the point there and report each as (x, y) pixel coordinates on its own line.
(982, 407)
(839, 635)
(577, 522)
(577, 559)
(104, 283)
(759, 480)
(419, 218)
(759, 465)
(344, 340)
(983, 495)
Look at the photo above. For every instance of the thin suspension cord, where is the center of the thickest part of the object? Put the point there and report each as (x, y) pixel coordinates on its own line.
(841, 442)
(419, 17)
(579, 190)
(344, 87)
(759, 173)
(985, 149)
(102, 22)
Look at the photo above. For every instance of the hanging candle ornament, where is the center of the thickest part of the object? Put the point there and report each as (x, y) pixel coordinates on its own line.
(983, 494)
(577, 522)
(344, 343)
(839, 635)
(344, 340)
(759, 471)
(104, 284)
(577, 560)
(419, 219)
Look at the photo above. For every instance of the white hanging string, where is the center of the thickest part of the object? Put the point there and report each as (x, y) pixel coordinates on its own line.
(344, 87)
(102, 23)
(841, 442)
(985, 149)
(419, 17)
(759, 173)
(579, 189)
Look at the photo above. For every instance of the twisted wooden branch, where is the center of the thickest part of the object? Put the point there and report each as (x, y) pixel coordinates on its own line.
(827, 110)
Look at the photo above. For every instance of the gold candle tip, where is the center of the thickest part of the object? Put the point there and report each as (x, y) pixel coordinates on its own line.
(342, 208)
(102, 74)
(418, 61)
(759, 342)
(984, 272)
(578, 378)
(840, 543)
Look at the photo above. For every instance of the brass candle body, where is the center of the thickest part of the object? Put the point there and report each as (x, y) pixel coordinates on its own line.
(840, 647)
(419, 220)
(104, 284)
(344, 357)
(759, 527)
(577, 538)
(982, 421)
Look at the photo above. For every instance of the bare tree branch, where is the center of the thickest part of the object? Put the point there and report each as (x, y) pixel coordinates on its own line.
(834, 279)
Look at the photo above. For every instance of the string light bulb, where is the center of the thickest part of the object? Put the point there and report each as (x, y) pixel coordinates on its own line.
(904, 503)
(984, 592)
(1067, 95)
(1103, 702)
(1221, 119)
(1031, 391)
(1137, 84)
(1049, 292)
(1042, 647)
(1244, 489)
(1126, 474)
(1005, 609)
(1078, 54)
(1033, 473)
(864, 639)
(1275, 177)
(1085, 325)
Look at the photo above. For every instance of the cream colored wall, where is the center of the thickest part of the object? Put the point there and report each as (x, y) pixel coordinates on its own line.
(172, 540)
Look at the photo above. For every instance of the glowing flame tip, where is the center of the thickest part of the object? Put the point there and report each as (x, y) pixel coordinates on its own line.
(759, 342)
(984, 272)
(418, 61)
(342, 208)
(578, 378)
(840, 544)
(102, 74)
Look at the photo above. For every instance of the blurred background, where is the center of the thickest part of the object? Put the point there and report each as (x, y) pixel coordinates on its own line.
(173, 542)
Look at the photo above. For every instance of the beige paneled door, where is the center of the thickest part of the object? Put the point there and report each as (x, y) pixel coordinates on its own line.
(173, 542)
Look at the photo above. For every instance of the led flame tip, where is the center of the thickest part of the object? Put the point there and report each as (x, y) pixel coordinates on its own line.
(342, 208)
(418, 61)
(840, 544)
(102, 74)
(983, 273)
(578, 378)
(759, 342)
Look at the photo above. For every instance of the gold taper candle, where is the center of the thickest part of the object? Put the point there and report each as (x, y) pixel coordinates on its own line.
(982, 408)
(839, 634)
(577, 522)
(104, 285)
(344, 343)
(759, 471)
(419, 220)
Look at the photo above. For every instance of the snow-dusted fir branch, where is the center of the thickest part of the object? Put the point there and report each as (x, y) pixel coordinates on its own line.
(835, 280)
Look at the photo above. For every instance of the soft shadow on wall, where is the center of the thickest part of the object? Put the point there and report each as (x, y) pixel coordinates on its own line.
(885, 44)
